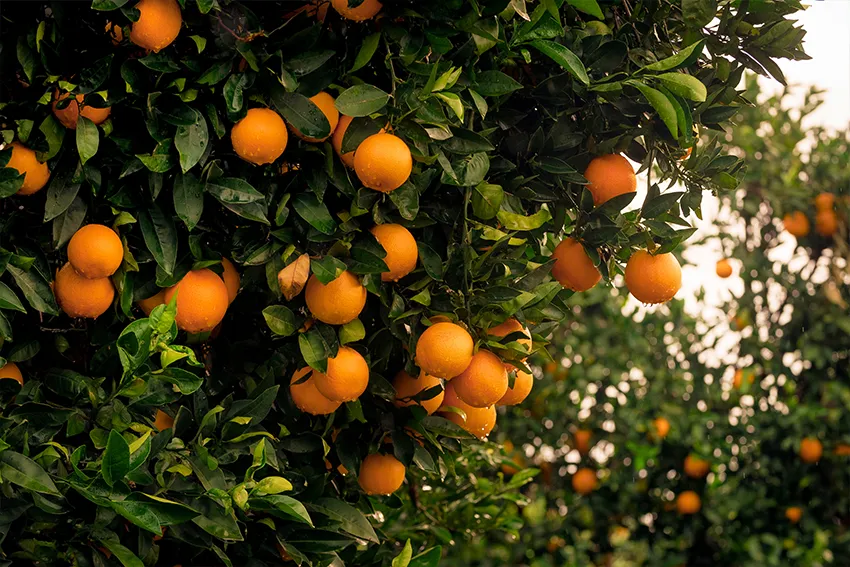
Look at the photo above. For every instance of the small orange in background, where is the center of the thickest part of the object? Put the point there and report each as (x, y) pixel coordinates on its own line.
(260, 137)
(573, 268)
(383, 162)
(797, 224)
(510, 327)
(584, 481)
(826, 223)
(68, 116)
(346, 378)
(794, 513)
(483, 382)
(158, 25)
(662, 427)
(610, 176)
(337, 303)
(407, 387)
(231, 279)
(811, 450)
(380, 475)
(11, 371)
(325, 102)
(738, 379)
(696, 467)
(36, 173)
(653, 279)
(582, 438)
(95, 251)
(365, 11)
(82, 297)
(115, 33)
(688, 503)
(523, 383)
(154, 301)
(444, 350)
(478, 421)
(516, 458)
(307, 397)
(841, 450)
(723, 268)
(162, 421)
(201, 301)
(824, 201)
(400, 246)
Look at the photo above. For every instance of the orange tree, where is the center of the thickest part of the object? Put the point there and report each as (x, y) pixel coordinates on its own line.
(249, 236)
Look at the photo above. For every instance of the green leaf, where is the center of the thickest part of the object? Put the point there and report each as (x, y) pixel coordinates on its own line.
(8, 299)
(115, 462)
(431, 261)
(186, 382)
(315, 349)
(66, 224)
(88, 139)
(684, 85)
(367, 50)
(428, 558)
(661, 104)
(23, 471)
(26, 57)
(139, 514)
(234, 191)
(352, 331)
(287, 506)
(403, 558)
(124, 555)
(304, 63)
(660, 204)
(327, 268)
(188, 197)
(309, 208)
(301, 113)
(677, 60)
(406, 200)
(233, 94)
(588, 7)
(54, 133)
(486, 200)
(361, 100)
(61, 192)
(350, 519)
(10, 182)
(280, 320)
(453, 102)
(513, 221)
(160, 237)
(191, 142)
(495, 83)
(35, 289)
(563, 57)
(699, 13)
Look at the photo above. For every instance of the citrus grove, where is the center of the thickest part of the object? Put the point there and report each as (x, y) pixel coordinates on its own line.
(284, 264)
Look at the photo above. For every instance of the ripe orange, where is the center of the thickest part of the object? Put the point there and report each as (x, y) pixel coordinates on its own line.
(824, 201)
(68, 115)
(337, 303)
(738, 379)
(325, 102)
(307, 397)
(95, 251)
(231, 279)
(478, 421)
(346, 378)
(444, 350)
(688, 503)
(260, 137)
(842, 450)
(584, 481)
(148, 305)
(402, 252)
(115, 33)
(523, 382)
(380, 474)
(826, 222)
(201, 301)
(573, 268)
(510, 327)
(662, 427)
(653, 279)
(82, 297)
(811, 450)
(365, 11)
(158, 24)
(609, 176)
(162, 421)
(797, 224)
(483, 382)
(723, 268)
(794, 513)
(696, 467)
(36, 174)
(383, 162)
(11, 371)
(407, 387)
(582, 439)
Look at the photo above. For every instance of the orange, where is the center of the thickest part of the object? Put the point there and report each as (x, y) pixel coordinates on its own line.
(826, 222)
(11, 371)
(824, 201)
(231, 279)
(794, 513)
(337, 138)
(738, 379)
(584, 481)
(688, 503)
(401, 249)
(723, 268)
(201, 301)
(653, 279)
(82, 297)
(523, 382)
(338, 302)
(810, 450)
(662, 427)
(149, 304)
(483, 382)
(406, 386)
(307, 397)
(573, 268)
(555, 543)
(95, 251)
(158, 24)
(444, 350)
(797, 224)
(365, 11)
(115, 32)
(162, 421)
(582, 440)
(380, 474)
(68, 115)
(36, 174)
(609, 176)
(696, 467)
(842, 450)
(325, 102)
(478, 421)
(346, 378)
(383, 162)
(260, 137)
(510, 327)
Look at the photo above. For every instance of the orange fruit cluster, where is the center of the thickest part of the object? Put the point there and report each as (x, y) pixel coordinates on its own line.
(83, 287)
